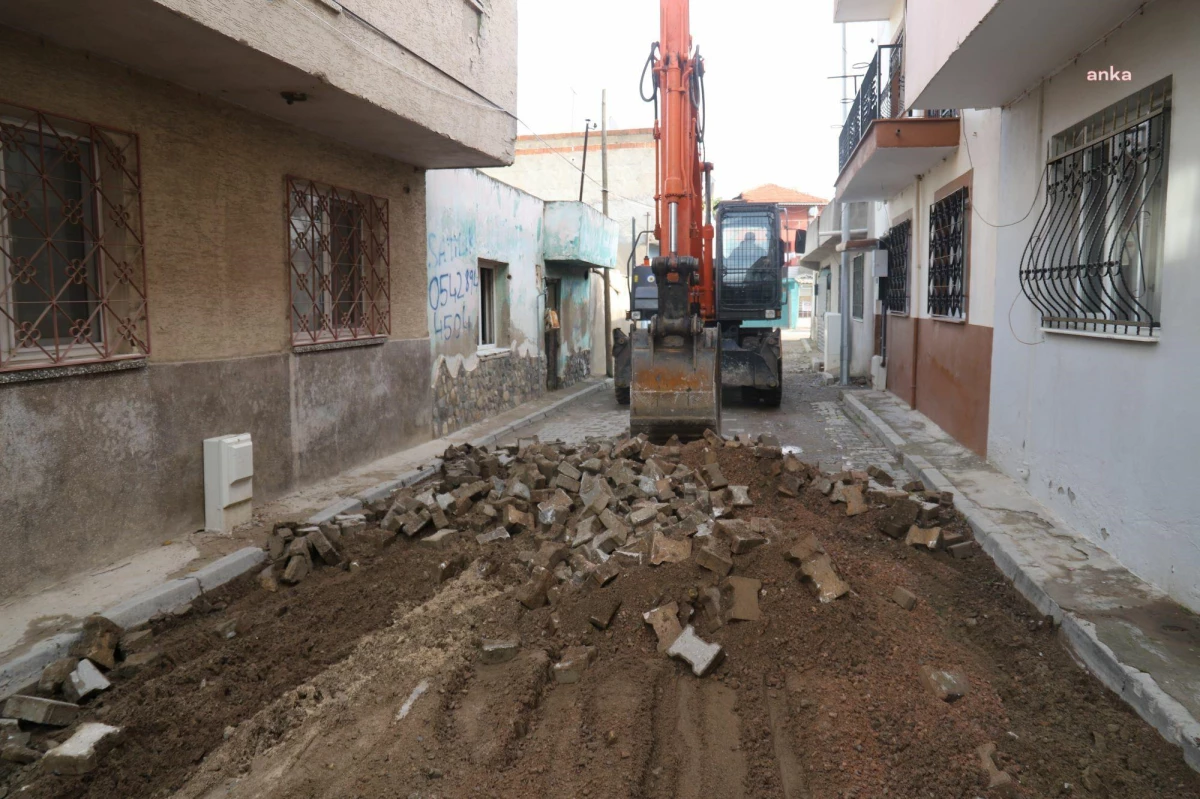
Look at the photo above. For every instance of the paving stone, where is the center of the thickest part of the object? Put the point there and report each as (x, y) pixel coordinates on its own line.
(952, 537)
(584, 532)
(741, 535)
(927, 537)
(904, 598)
(40, 711)
(568, 470)
(297, 569)
(914, 485)
(56, 674)
(896, 520)
(98, 641)
(744, 606)
(630, 557)
(714, 604)
(664, 620)
(1000, 781)
(498, 534)
(714, 555)
(452, 567)
(614, 525)
(516, 520)
(739, 497)
(789, 485)
(703, 657)
(823, 484)
(21, 755)
(605, 573)
(268, 579)
(550, 554)
(819, 569)
(929, 513)
(325, 550)
(963, 550)
(533, 594)
(80, 753)
(135, 663)
(947, 685)
(495, 651)
(855, 504)
(804, 549)
(606, 542)
(713, 476)
(642, 516)
(605, 608)
(881, 475)
(669, 550)
(84, 681)
(573, 664)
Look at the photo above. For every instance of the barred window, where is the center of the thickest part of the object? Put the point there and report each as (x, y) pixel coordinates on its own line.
(72, 270)
(948, 219)
(338, 258)
(1093, 262)
(897, 242)
(857, 288)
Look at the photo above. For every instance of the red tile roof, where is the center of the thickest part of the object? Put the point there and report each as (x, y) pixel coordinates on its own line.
(771, 193)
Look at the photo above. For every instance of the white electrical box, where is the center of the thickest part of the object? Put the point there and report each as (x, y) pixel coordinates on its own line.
(228, 482)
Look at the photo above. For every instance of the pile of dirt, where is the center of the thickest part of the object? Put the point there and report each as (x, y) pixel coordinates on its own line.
(492, 641)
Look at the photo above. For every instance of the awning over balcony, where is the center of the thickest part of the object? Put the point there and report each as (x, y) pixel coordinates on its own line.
(578, 235)
(892, 153)
(862, 10)
(985, 53)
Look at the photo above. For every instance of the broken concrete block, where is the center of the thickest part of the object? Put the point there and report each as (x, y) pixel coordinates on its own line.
(669, 550)
(715, 556)
(713, 476)
(84, 681)
(297, 569)
(744, 606)
(819, 569)
(603, 612)
(498, 534)
(133, 664)
(19, 754)
(703, 657)
(40, 711)
(573, 664)
(98, 641)
(605, 573)
(896, 520)
(904, 598)
(739, 497)
(855, 504)
(533, 594)
(664, 620)
(963, 550)
(927, 537)
(325, 550)
(948, 686)
(493, 651)
(57, 673)
(79, 753)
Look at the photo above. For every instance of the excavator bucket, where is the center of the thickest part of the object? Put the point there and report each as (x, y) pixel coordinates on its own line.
(676, 385)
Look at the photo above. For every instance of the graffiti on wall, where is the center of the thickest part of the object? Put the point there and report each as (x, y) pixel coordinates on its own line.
(453, 287)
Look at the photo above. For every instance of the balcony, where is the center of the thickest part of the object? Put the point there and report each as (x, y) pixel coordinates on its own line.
(986, 53)
(883, 145)
(825, 232)
(578, 235)
(862, 10)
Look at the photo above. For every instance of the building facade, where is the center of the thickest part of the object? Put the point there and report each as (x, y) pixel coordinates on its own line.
(212, 221)
(1049, 255)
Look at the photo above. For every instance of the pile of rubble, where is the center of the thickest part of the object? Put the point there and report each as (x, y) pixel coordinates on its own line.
(52, 707)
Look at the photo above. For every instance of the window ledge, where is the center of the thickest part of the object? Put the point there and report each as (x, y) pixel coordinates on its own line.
(342, 344)
(954, 320)
(489, 351)
(1153, 339)
(50, 372)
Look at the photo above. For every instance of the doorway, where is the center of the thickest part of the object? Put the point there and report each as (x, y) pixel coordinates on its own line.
(553, 328)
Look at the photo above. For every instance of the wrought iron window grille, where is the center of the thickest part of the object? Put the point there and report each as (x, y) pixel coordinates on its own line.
(1092, 262)
(338, 262)
(879, 95)
(948, 242)
(858, 288)
(72, 265)
(898, 243)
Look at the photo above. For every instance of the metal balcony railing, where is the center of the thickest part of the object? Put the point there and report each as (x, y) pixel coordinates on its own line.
(880, 96)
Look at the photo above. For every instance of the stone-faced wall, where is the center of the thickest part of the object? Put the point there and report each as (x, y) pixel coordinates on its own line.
(497, 383)
(578, 367)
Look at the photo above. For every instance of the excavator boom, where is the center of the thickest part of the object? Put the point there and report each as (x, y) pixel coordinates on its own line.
(675, 387)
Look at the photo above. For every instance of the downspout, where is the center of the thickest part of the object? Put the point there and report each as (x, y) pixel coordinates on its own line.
(844, 276)
(915, 308)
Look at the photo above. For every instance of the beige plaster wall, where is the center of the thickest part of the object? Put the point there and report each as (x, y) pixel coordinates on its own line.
(214, 200)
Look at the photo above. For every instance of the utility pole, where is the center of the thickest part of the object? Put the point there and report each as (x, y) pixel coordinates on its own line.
(608, 356)
(844, 277)
(588, 127)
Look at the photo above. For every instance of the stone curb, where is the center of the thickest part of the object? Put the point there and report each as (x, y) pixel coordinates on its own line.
(235, 564)
(537, 416)
(1136, 688)
(23, 670)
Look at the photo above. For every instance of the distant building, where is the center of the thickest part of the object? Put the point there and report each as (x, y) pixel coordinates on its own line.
(798, 207)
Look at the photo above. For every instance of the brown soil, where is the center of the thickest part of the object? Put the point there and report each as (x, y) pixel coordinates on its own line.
(814, 700)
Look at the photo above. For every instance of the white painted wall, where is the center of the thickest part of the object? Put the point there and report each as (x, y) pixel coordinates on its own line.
(1107, 429)
(935, 30)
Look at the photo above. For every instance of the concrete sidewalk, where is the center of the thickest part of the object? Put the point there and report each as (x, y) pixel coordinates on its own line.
(38, 626)
(1141, 644)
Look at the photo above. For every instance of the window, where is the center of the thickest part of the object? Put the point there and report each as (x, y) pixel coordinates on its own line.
(897, 242)
(948, 255)
(338, 258)
(857, 287)
(72, 274)
(1093, 262)
(492, 293)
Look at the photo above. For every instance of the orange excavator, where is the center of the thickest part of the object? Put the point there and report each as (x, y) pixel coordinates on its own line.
(675, 384)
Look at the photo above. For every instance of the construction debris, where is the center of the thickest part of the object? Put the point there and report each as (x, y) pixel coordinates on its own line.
(40, 711)
(84, 681)
(703, 657)
(745, 598)
(904, 598)
(948, 686)
(79, 753)
(999, 780)
(98, 641)
(665, 622)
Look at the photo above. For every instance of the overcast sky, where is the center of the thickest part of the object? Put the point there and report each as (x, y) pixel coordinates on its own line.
(773, 114)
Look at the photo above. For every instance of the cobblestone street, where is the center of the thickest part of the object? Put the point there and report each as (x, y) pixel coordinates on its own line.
(810, 418)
